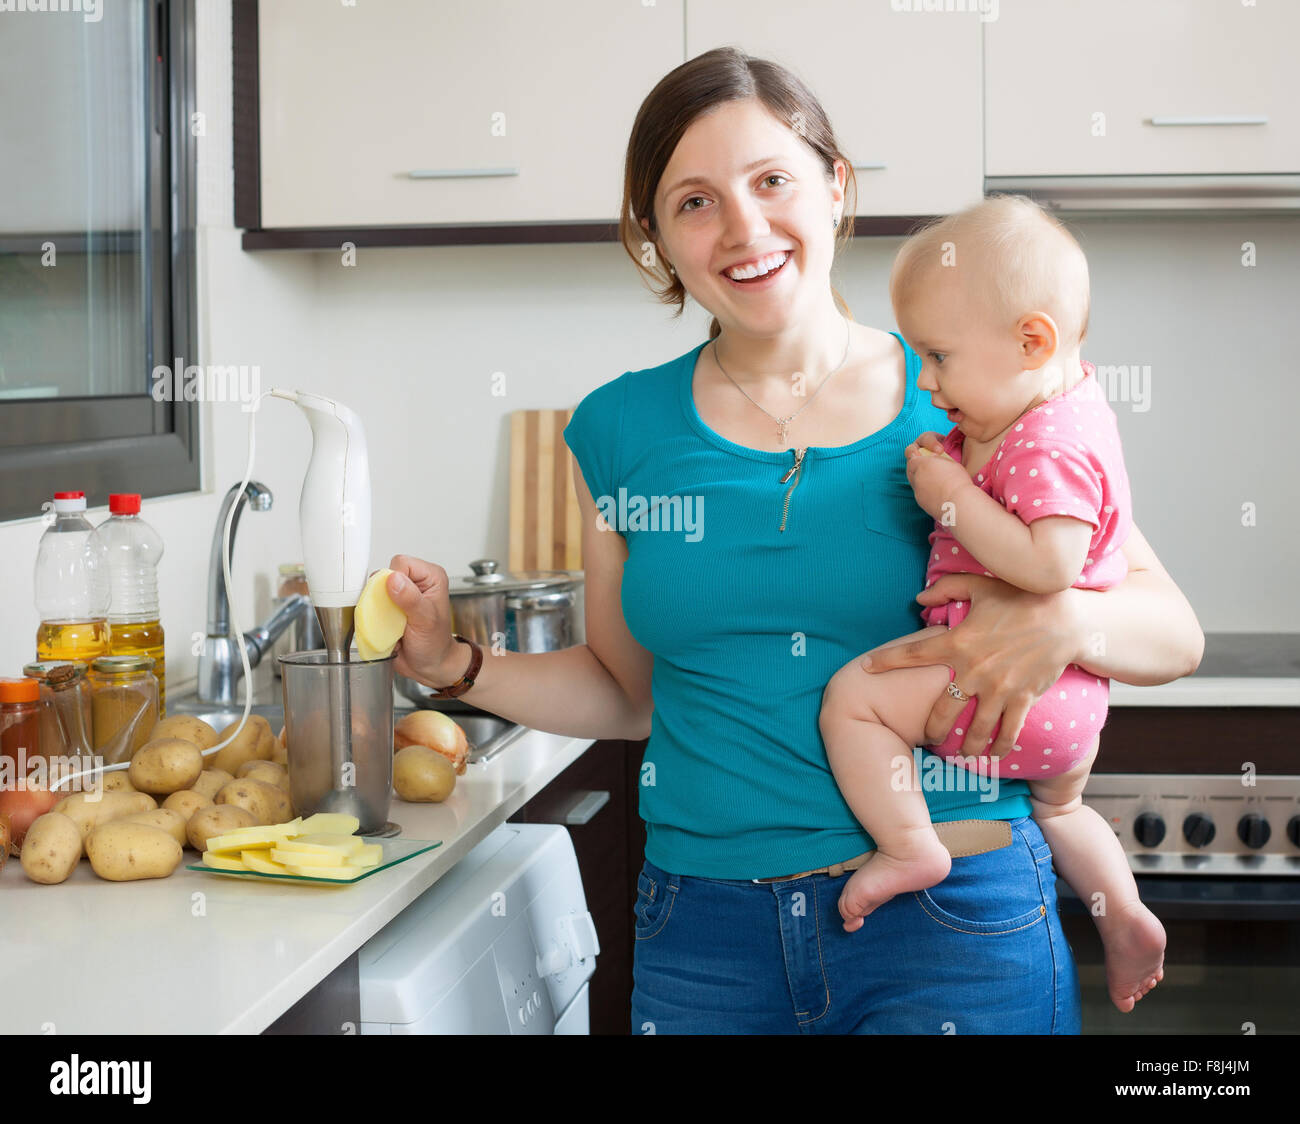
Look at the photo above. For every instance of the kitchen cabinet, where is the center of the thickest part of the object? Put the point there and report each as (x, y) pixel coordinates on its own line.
(901, 89)
(1160, 87)
(597, 798)
(409, 113)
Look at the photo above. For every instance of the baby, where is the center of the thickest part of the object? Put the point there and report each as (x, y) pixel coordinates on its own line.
(1029, 487)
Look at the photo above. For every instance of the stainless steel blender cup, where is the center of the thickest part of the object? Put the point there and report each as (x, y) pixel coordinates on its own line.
(339, 766)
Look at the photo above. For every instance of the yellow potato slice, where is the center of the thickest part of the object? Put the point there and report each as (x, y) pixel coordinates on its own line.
(379, 623)
(222, 862)
(328, 823)
(340, 872)
(256, 860)
(324, 844)
(372, 854)
(306, 858)
(254, 838)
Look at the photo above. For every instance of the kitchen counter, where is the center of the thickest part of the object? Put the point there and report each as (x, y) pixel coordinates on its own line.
(1238, 669)
(201, 954)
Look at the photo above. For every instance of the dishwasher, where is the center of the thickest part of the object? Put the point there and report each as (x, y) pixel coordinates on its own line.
(501, 944)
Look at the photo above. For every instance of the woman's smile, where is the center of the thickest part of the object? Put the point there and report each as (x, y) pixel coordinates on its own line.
(758, 273)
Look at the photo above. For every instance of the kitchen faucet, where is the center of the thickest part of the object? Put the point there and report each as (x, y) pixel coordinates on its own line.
(220, 667)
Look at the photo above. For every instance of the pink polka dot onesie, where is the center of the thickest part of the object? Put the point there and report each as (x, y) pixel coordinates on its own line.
(1063, 457)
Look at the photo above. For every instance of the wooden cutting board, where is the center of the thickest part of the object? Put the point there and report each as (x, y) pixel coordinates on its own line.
(545, 523)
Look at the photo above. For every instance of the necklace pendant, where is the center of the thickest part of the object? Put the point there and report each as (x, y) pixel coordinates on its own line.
(782, 425)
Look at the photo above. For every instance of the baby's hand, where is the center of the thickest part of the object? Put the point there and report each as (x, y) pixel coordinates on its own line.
(935, 477)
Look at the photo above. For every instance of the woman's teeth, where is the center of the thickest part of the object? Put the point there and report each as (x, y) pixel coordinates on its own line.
(760, 268)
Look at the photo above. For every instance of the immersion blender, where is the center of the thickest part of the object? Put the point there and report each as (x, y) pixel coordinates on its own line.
(335, 517)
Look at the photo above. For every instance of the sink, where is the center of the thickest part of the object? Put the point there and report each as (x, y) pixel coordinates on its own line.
(487, 734)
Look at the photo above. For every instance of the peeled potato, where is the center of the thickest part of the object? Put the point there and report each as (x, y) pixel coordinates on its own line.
(379, 623)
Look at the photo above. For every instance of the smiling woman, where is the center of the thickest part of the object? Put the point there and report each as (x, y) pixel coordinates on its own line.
(791, 421)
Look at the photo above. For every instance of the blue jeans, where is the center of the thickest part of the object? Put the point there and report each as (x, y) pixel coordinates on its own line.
(980, 953)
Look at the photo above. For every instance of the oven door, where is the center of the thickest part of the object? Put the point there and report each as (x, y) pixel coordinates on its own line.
(1232, 962)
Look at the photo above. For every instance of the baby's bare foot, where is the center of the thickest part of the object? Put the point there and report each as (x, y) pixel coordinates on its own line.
(920, 863)
(1134, 941)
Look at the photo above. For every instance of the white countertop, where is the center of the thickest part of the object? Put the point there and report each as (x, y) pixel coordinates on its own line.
(201, 954)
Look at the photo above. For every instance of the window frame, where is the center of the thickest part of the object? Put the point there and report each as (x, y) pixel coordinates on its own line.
(130, 443)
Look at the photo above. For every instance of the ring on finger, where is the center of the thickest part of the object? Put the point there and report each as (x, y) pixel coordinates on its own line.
(957, 693)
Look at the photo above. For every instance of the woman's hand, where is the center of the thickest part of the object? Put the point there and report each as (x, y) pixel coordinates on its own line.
(426, 648)
(1009, 650)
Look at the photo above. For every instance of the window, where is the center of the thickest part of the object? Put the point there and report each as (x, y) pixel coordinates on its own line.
(96, 249)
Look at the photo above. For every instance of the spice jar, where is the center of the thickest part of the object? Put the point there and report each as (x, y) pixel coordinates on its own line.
(124, 705)
(304, 634)
(20, 726)
(65, 707)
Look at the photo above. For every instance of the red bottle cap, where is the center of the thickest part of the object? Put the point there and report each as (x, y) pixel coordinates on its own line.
(124, 503)
(69, 495)
(19, 690)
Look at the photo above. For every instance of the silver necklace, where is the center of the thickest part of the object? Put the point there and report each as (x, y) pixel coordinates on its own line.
(783, 424)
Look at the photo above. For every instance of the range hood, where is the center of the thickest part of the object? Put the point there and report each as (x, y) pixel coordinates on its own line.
(1185, 194)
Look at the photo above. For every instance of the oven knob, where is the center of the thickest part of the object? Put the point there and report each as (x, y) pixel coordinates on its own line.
(1293, 830)
(1198, 829)
(1149, 829)
(1253, 830)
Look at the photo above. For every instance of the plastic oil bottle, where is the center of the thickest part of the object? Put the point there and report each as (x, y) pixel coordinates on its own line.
(133, 549)
(72, 590)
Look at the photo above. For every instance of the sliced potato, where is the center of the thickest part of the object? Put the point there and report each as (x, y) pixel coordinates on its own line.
(342, 873)
(257, 860)
(223, 862)
(379, 623)
(306, 858)
(261, 838)
(216, 819)
(330, 823)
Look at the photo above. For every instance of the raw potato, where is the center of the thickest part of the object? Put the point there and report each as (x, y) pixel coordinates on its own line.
(437, 731)
(267, 771)
(124, 852)
(165, 765)
(118, 781)
(280, 750)
(217, 819)
(379, 623)
(90, 809)
(211, 781)
(173, 823)
(422, 775)
(186, 802)
(52, 848)
(253, 744)
(265, 801)
(188, 727)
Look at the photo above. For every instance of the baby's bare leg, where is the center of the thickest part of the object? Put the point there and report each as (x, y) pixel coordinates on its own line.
(1091, 860)
(870, 724)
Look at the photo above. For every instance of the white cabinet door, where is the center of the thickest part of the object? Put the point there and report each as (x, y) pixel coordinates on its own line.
(415, 112)
(901, 88)
(1138, 87)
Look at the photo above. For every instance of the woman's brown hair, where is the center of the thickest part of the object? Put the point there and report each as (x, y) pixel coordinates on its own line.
(685, 93)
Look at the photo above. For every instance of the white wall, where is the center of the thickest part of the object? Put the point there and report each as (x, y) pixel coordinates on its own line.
(412, 337)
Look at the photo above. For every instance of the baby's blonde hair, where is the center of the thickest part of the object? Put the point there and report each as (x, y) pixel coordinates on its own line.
(1017, 256)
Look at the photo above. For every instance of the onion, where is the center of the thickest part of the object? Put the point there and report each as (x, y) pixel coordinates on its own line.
(4, 838)
(433, 729)
(23, 806)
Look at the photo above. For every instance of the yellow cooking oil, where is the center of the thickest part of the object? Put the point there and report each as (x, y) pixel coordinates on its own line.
(143, 638)
(72, 640)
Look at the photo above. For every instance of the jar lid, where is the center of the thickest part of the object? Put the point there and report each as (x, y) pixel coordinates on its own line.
(488, 578)
(56, 673)
(19, 690)
(290, 569)
(119, 665)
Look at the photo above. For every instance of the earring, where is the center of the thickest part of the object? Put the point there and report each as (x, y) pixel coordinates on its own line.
(672, 270)
(835, 223)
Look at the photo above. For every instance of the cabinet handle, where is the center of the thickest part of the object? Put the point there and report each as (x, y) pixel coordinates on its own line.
(1223, 119)
(458, 173)
(869, 166)
(585, 807)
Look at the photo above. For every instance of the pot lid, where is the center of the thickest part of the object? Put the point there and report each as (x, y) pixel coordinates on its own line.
(488, 577)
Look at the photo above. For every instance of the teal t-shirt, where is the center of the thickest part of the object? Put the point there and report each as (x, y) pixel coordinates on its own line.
(747, 623)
